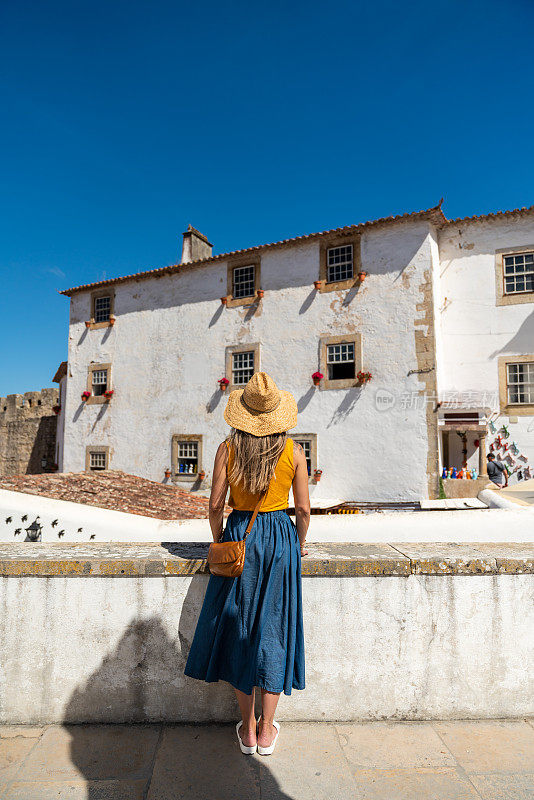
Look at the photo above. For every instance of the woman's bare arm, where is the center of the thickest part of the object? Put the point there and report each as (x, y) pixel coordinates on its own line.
(301, 495)
(219, 487)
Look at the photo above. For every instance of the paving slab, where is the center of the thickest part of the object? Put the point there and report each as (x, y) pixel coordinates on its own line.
(93, 752)
(26, 731)
(13, 751)
(307, 763)
(197, 762)
(76, 790)
(442, 783)
(504, 787)
(393, 744)
(489, 745)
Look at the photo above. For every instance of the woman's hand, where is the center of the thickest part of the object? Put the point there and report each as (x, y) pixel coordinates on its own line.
(303, 550)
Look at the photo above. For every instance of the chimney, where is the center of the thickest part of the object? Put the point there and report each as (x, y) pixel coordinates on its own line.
(195, 246)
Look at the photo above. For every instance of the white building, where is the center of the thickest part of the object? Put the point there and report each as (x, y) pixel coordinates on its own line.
(439, 312)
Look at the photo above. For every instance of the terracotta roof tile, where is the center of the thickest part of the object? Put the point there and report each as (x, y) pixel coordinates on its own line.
(115, 490)
(514, 212)
(61, 371)
(434, 214)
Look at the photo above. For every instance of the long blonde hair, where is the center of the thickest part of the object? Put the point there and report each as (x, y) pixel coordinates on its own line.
(254, 459)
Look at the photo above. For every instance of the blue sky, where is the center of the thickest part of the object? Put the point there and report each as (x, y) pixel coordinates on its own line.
(121, 122)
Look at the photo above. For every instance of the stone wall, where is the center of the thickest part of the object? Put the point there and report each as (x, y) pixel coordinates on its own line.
(96, 633)
(27, 431)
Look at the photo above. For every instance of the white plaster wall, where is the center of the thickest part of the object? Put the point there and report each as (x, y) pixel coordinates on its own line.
(168, 344)
(475, 331)
(421, 647)
(513, 525)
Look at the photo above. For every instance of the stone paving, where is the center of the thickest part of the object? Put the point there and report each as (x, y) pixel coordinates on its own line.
(444, 760)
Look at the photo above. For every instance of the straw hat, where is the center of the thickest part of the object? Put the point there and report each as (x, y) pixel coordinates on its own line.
(261, 407)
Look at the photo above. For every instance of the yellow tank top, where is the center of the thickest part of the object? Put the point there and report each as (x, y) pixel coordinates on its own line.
(276, 498)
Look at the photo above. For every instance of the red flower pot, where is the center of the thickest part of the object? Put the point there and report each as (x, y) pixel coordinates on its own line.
(112, 320)
(167, 473)
(86, 396)
(362, 276)
(317, 474)
(223, 383)
(201, 475)
(88, 323)
(317, 378)
(260, 293)
(224, 300)
(317, 284)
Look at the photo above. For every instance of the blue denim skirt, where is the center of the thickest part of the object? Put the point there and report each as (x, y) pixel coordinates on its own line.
(250, 631)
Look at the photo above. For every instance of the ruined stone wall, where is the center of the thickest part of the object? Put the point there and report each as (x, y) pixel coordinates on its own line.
(27, 431)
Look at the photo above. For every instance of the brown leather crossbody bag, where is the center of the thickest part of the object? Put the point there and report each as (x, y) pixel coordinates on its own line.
(228, 558)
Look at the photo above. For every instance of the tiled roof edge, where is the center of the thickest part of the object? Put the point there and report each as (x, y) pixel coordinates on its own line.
(434, 214)
(492, 215)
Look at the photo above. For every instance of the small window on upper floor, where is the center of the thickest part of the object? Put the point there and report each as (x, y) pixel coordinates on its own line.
(514, 275)
(520, 382)
(518, 273)
(98, 382)
(102, 308)
(243, 282)
(340, 360)
(242, 361)
(339, 263)
(516, 384)
(102, 304)
(242, 367)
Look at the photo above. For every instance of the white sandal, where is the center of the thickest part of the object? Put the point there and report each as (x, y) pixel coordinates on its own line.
(266, 751)
(244, 749)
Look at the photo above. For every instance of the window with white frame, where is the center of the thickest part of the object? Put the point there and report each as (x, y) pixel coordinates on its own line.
(243, 281)
(340, 361)
(520, 382)
(97, 460)
(518, 273)
(187, 457)
(306, 444)
(102, 308)
(339, 263)
(99, 381)
(242, 367)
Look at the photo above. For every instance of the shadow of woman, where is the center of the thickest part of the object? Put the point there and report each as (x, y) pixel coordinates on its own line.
(130, 745)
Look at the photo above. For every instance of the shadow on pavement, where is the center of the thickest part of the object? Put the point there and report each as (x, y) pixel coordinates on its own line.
(175, 760)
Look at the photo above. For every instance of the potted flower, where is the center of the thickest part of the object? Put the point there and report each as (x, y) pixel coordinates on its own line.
(224, 300)
(317, 378)
(223, 384)
(259, 294)
(112, 320)
(364, 377)
(362, 275)
(86, 395)
(201, 475)
(317, 474)
(56, 409)
(167, 473)
(108, 394)
(317, 284)
(88, 323)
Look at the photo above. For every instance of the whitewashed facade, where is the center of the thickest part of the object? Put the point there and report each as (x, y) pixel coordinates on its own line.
(424, 322)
